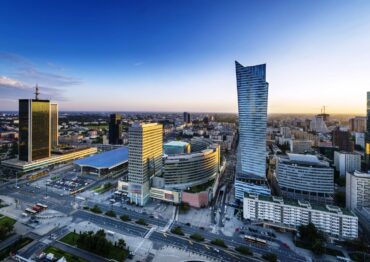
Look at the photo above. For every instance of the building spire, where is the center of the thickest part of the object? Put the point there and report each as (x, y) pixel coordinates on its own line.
(37, 92)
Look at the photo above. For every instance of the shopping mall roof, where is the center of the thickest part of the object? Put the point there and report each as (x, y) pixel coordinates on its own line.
(176, 143)
(108, 159)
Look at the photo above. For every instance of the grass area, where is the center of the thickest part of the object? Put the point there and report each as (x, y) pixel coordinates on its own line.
(244, 250)
(70, 238)
(200, 188)
(4, 220)
(177, 230)
(103, 188)
(141, 222)
(115, 253)
(14, 247)
(125, 218)
(60, 253)
(219, 242)
(197, 237)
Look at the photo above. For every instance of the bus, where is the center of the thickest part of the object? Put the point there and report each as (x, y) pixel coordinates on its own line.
(255, 240)
(31, 211)
(42, 206)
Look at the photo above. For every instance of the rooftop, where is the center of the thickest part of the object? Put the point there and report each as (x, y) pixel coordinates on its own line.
(302, 204)
(108, 159)
(176, 143)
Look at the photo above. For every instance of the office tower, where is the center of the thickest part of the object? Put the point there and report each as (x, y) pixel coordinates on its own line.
(305, 177)
(145, 159)
(54, 125)
(252, 104)
(342, 139)
(115, 129)
(358, 124)
(346, 162)
(34, 129)
(357, 190)
(187, 118)
(367, 136)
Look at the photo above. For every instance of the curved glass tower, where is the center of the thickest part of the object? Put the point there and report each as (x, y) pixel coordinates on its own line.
(252, 105)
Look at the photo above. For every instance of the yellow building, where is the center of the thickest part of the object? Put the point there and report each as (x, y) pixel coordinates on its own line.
(145, 159)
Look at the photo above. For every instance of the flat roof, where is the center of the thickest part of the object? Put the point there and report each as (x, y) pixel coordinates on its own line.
(176, 143)
(303, 158)
(108, 159)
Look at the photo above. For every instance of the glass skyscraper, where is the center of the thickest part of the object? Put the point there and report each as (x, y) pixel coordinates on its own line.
(34, 129)
(115, 129)
(54, 125)
(252, 105)
(367, 136)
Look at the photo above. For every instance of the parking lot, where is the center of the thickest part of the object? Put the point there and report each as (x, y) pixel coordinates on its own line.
(67, 184)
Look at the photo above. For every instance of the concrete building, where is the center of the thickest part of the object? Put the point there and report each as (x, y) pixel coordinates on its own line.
(346, 162)
(287, 214)
(305, 177)
(343, 139)
(318, 124)
(300, 146)
(357, 190)
(145, 159)
(359, 139)
(176, 148)
(358, 124)
(188, 170)
(252, 91)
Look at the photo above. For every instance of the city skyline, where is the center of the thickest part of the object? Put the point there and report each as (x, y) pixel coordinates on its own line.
(143, 56)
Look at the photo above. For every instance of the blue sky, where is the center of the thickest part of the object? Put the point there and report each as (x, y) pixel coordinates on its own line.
(179, 55)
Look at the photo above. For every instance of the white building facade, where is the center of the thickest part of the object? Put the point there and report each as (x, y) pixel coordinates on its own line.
(334, 221)
(346, 162)
(357, 190)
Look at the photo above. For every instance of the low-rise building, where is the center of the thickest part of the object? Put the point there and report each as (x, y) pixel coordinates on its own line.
(289, 214)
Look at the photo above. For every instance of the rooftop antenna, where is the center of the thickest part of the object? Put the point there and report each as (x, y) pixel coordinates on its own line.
(37, 92)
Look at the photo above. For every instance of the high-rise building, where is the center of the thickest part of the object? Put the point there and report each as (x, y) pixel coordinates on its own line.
(358, 124)
(252, 104)
(357, 190)
(115, 129)
(145, 159)
(54, 133)
(367, 136)
(342, 139)
(187, 118)
(34, 129)
(346, 162)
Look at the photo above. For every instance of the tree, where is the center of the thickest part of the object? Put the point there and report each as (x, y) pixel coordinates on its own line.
(121, 243)
(244, 250)
(271, 257)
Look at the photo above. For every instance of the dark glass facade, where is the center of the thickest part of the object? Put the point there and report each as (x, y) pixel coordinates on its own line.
(54, 124)
(367, 136)
(115, 129)
(23, 129)
(40, 129)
